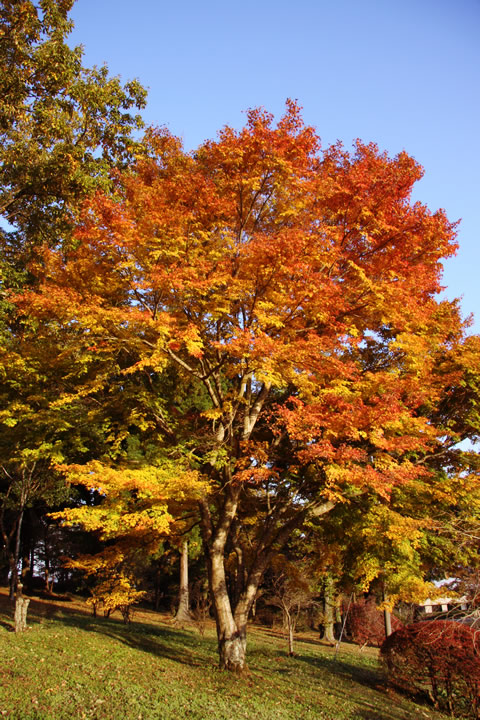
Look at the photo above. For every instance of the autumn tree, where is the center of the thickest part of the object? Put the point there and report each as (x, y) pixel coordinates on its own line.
(33, 435)
(63, 128)
(142, 505)
(424, 529)
(454, 499)
(261, 270)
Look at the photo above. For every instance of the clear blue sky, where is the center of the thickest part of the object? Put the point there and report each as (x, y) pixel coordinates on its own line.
(404, 74)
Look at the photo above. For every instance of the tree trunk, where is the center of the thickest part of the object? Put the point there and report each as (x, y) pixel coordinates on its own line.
(232, 635)
(290, 639)
(232, 624)
(21, 608)
(387, 616)
(328, 612)
(183, 613)
(289, 623)
(232, 648)
(231, 632)
(16, 556)
(388, 622)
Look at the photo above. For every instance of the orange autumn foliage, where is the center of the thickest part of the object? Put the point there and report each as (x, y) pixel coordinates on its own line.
(297, 289)
(263, 261)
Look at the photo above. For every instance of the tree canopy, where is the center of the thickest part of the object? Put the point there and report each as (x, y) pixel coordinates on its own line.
(278, 305)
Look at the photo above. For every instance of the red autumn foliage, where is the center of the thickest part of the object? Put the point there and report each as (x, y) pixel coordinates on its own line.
(440, 658)
(366, 624)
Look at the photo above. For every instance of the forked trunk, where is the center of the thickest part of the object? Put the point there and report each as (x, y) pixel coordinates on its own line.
(232, 648)
(232, 622)
(232, 635)
(231, 631)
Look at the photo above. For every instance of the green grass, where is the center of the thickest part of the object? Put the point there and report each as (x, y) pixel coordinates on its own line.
(71, 665)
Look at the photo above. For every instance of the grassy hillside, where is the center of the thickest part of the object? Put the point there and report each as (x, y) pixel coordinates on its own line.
(70, 665)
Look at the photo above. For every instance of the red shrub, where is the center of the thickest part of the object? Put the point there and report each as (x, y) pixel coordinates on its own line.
(440, 658)
(366, 624)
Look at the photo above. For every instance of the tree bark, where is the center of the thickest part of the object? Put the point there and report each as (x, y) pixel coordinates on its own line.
(16, 556)
(231, 619)
(183, 612)
(231, 636)
(388, 622)
(387, 616)
(290, 635)
(21, 608)
(328, 612)
(231, 632)
(232, 648)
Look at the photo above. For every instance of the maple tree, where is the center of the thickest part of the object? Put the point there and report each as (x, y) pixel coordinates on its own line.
(396, 546)
(293, 291)
(428, 524)
(142, 504)
(424, 529)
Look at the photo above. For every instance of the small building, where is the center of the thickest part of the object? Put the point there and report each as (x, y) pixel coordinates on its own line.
(443, 604)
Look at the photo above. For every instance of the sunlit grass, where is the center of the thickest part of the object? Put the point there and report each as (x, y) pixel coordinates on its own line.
(71, 665)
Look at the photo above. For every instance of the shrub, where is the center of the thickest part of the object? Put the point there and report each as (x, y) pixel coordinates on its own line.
(366, 624)
(115, 592)
(440, 658)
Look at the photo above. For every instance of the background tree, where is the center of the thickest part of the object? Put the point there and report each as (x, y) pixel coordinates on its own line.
(291, 588)
(138, 512)
(183, 611)
(63, 129)
(62, 126)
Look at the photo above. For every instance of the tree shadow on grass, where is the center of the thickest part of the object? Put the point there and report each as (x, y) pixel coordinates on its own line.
(401, 707)
(39, 609)
(159, 641)
(152, 638)
(330, 662)
(369, 677)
